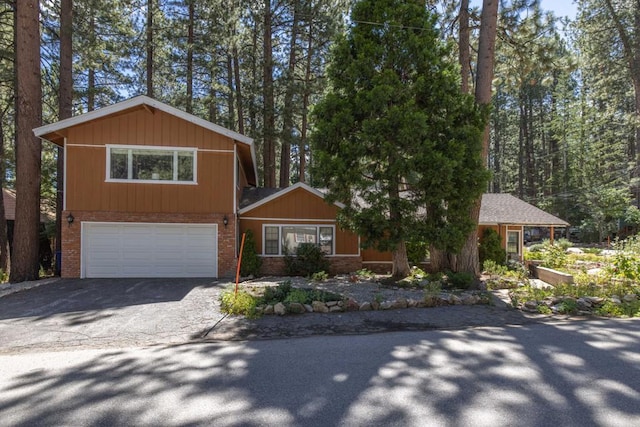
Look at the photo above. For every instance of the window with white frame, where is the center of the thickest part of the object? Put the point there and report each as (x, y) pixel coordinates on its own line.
(281, 239)
(513, 242)
(151, 164)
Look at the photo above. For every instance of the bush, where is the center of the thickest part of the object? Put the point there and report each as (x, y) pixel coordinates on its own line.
(461, 280)
(309, 259)
(275, 294)
(251, 262)
(240, 303)
(491, 247)
(417, 251)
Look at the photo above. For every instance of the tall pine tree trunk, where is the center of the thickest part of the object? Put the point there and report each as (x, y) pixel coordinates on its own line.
(238, 88)
(190, 42)
(287, 118)
(25, 265)
(269, 143)
(302, 149)
(65, 101)
(5, 256)
(149, 68)
(463, 46)
(467, 260)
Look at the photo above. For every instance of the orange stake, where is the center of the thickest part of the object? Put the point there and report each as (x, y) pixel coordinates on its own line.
(239, 263)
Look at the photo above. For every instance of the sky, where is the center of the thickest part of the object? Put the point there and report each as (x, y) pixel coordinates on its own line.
(561, 7)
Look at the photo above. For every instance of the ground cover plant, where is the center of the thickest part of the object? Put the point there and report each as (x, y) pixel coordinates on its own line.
(246, 302)
(604, 283)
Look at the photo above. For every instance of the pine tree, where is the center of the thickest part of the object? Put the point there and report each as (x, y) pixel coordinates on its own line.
(396, 141)
(28, 148)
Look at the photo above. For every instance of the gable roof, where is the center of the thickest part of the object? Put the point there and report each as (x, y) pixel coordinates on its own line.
(502, 208)
(254, 197)
(52, 132)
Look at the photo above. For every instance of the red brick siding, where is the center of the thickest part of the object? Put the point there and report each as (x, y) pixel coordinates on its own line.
(71, 250)
(274, 266)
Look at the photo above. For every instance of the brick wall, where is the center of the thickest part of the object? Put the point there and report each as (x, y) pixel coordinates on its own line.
(274, 266)
(71, 250)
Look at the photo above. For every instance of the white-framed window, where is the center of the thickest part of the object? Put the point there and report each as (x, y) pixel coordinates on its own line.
(281, 239)
(513, 243)
(165, 165)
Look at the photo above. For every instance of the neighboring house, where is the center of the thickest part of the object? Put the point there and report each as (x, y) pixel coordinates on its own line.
(9, 200)
(151, 191)
(508, 215)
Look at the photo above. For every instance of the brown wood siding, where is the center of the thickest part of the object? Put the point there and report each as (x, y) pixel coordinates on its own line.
(86, 166)
(297, 204)
(346, 243)
(370, 255)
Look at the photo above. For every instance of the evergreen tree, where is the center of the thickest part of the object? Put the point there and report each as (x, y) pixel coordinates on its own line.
(396, 141)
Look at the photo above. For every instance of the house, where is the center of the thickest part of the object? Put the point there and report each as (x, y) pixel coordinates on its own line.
(509, 215)
(46, 216)
(152, 191)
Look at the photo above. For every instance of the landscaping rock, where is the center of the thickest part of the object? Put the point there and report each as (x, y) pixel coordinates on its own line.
(319, 307)
(454, 299)
(583, 304)
(595, 300)
(470, 299)
(308, 308)
(352, 305)
(296, 308)
(280, 309)
(531, 305)
(331, 303)
(268, 309)
(366, 306)
(386, 305)
(335, 309)
(375, 305)
(615, 300)
(399, 303)
(412, 303)
(629, 297)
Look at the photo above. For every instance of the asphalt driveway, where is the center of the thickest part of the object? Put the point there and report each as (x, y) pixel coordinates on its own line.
(109, 312)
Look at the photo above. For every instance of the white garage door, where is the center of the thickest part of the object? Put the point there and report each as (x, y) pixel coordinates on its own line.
(149, 250)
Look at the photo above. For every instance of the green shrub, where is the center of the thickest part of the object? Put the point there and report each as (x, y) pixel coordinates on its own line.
(493, 268)
(308, 259)
(251, 262)
(297, 295)
(417, 251)
(4, 277)
(491, 247)
(563, 243)
(536, 248)
(460, 280)
(275, 294)
(320, 276)
(568, 306)
(553, 256)
(240, 303)
(365, 273)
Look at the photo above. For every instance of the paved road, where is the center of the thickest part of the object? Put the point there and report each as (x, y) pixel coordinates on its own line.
(116, 313)
(540, 374)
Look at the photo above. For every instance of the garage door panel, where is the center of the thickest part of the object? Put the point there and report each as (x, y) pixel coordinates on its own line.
(149, 250)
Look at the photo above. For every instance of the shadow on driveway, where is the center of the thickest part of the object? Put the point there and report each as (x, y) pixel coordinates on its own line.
(88, 295)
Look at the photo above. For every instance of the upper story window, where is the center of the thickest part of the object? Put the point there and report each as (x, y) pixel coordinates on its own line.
(151, 164)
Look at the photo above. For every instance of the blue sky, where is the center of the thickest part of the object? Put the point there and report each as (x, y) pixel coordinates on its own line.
(561, 7)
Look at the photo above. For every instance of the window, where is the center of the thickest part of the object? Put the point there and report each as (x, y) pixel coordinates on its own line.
(280, 239)
(513, 242)
(153, 164)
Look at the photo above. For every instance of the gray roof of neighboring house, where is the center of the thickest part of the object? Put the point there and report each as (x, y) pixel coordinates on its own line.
(502, 208)
(251, 195)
